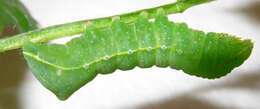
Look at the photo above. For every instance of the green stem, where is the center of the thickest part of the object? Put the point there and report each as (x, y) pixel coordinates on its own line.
(69, 29)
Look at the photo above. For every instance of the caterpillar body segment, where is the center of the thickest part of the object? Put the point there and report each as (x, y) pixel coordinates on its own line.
(63, 69)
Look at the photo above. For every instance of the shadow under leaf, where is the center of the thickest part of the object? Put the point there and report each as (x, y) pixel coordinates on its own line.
(189, 100)
(12, 70)
(181, 102)
(251, 11)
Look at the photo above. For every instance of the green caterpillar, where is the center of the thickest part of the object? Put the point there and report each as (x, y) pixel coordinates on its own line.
(63, 69)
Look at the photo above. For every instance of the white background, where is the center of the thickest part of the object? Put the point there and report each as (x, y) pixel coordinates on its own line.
(153, 88)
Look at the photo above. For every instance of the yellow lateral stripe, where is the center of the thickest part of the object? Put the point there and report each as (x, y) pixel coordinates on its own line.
(82, 66)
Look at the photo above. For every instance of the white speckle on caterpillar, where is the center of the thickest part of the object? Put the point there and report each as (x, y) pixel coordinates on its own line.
(86, 66)
(164, 47)
(151, 20)
(106, 57)
(58, 72)
(37, 56)
(179, 52)
(149, 48)
(130, 51)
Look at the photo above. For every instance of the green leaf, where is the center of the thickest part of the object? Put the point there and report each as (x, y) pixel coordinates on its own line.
(14, 14)
(63, 69)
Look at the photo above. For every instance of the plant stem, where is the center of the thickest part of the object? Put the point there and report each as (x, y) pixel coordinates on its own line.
(69, 29)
